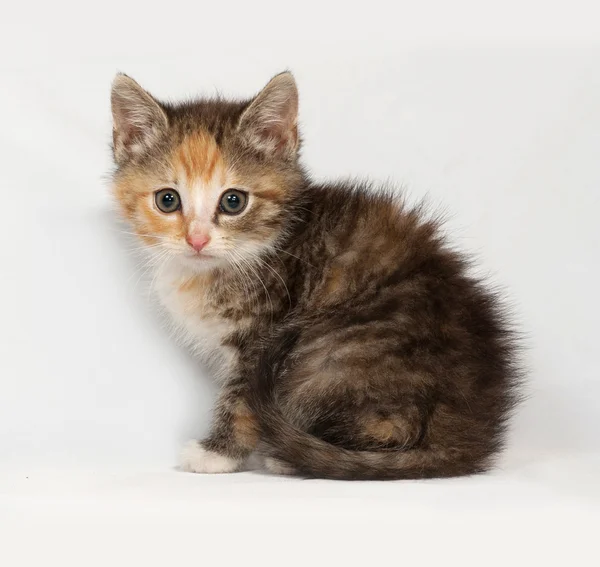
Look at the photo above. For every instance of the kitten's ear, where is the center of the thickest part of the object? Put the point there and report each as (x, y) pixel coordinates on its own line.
(138, 120)
(270, 123)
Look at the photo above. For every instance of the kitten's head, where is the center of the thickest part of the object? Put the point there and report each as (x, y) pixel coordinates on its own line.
(208, 182)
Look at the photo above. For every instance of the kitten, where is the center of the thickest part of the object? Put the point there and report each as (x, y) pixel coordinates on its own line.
(349, 341)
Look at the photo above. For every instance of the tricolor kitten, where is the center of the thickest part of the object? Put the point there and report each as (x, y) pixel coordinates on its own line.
(349, 340)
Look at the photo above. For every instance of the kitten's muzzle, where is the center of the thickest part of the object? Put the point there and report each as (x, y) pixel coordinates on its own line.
(198, 241)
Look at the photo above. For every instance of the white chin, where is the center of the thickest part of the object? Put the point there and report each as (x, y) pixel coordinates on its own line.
(200, 263)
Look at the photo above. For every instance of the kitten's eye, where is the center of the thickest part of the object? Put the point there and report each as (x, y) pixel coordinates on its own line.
(167, 200)
(233, 201)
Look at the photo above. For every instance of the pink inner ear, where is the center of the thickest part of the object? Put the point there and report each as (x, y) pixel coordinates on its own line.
(137, 116)
(125, 130)
(132, 124)
(278, 133)
(126, 134)
(135, 132)
(270, 119)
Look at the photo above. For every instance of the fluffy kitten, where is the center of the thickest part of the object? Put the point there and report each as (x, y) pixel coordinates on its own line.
(349, 340)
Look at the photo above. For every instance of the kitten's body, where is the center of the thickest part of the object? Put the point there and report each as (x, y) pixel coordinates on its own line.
(349, 341)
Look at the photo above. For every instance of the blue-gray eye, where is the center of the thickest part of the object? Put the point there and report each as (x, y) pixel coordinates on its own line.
(233, 201)
(167, 200)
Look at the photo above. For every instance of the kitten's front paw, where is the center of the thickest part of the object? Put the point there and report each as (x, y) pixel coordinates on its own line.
(194, 458)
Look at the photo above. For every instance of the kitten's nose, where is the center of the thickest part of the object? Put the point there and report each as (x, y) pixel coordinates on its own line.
(198, 241)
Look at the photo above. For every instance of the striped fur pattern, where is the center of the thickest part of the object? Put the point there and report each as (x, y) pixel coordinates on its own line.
(349, 341)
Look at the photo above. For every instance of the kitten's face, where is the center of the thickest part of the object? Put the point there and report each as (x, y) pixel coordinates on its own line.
(194, 200)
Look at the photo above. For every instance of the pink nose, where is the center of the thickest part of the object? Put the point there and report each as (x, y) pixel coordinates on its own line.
(198, 241)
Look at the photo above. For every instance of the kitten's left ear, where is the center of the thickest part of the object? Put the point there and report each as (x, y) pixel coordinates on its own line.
(270, 123)
(139, 123)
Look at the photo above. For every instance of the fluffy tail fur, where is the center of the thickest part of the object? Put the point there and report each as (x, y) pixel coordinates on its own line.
(313, 457)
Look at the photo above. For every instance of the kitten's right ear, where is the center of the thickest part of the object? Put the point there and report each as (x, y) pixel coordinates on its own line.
(139, 122)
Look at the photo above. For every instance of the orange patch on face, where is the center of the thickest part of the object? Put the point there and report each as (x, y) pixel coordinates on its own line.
(200, 159)
(156, 224)
(127, 190)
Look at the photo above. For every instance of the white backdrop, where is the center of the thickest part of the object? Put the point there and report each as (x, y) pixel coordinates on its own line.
(499, 128)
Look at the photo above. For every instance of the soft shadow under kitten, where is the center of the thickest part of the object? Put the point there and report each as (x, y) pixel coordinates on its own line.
(349, 340)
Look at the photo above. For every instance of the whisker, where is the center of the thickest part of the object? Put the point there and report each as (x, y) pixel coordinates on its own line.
(164, 259)
(244, 279)
(293, 255)
(140, 234)
(248, 264)
(267, 265)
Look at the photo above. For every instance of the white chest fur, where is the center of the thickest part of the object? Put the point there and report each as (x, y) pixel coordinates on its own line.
(195, 321)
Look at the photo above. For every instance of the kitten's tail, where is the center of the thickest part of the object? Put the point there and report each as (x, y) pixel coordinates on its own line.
(312, 457)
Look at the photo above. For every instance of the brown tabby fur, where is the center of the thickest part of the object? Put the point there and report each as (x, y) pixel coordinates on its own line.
(358, 345)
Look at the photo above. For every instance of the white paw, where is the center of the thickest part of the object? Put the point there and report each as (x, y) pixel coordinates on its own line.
(278, 467)
(196, 459)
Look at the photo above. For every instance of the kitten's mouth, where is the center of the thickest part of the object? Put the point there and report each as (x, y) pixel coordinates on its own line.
(198, 256)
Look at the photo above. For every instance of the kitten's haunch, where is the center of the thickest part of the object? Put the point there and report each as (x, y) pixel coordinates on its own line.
(350, 341)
